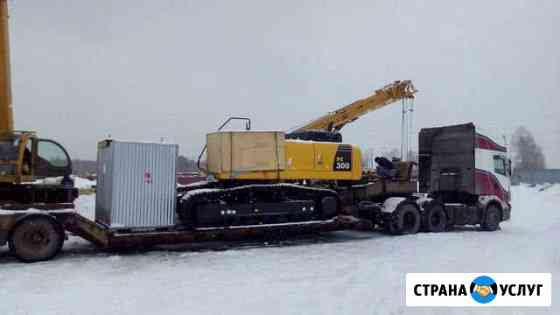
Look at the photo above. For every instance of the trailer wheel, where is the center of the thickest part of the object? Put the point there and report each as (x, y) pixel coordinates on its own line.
(491, 220)
(36, 239)
(405, 220)
(435, 219)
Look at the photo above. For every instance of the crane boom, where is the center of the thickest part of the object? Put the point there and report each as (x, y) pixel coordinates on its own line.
(6, 114)
(334, 121)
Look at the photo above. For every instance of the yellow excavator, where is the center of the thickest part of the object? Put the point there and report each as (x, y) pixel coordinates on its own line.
(279, 177)
(24, 157)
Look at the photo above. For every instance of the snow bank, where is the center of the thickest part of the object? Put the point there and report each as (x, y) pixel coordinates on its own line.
(83, 183)
(79, 182)
(338, 273)
(85, 205)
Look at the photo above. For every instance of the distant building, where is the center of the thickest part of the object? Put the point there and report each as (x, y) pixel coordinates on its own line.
(551, 176)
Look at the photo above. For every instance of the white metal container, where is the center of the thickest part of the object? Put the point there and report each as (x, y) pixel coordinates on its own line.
(136, 184)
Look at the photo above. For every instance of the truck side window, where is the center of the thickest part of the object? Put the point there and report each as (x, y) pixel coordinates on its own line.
(500, 165)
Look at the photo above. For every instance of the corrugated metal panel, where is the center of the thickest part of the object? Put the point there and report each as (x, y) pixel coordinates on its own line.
(136, 184)
(104, 183)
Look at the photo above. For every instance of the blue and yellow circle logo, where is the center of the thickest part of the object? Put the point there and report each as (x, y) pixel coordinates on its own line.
(484, 289)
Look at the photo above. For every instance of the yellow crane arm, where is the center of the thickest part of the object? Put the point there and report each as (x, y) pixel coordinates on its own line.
(334, 121)
(6, 114)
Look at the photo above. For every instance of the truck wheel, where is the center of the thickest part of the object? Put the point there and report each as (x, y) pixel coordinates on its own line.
(405, 220)
(491, 221)
(36, 239)
(435, 219)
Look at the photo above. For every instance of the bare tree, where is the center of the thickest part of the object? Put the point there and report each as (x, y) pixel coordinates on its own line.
(528, 155)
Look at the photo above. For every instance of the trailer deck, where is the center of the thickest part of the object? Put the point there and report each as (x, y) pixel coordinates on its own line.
(104, 237)
(107, 238)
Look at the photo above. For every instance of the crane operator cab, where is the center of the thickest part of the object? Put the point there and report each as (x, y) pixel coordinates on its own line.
(24, 157)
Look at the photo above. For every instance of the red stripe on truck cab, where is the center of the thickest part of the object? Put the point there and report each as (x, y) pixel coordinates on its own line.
(483, 142)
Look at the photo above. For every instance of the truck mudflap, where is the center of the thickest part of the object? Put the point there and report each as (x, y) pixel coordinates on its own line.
(391, 204)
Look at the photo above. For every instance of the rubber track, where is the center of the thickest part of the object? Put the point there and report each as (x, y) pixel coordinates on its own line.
(294, 192)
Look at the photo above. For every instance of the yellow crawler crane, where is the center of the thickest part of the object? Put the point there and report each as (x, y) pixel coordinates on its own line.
(311, 152)
(23, 156)
(277, 177)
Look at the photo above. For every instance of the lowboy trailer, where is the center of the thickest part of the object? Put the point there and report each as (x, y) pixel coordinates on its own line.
(39, 235)
(463, 180)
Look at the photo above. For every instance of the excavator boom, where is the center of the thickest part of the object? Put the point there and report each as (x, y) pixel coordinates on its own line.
(334, 121)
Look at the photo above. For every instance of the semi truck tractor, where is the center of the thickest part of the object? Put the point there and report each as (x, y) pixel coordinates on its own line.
(463, 179)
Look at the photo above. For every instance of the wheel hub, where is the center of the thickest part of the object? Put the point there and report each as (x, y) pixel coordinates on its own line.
(36, 238)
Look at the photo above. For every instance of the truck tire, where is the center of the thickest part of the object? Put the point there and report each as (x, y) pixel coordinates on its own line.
(434, 219)
(36, 239)
(405, 220)
(491, 221)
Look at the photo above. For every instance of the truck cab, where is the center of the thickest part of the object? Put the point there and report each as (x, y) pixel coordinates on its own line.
(466, 170)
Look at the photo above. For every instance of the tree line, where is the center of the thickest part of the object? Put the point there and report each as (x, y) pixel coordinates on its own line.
(87, 167)
(526, 153)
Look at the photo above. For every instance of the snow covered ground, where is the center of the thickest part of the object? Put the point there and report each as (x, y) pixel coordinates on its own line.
(79, 182)
(339, 273)
(83, 183)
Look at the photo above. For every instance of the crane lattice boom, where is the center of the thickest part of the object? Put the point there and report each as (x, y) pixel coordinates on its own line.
(334, 121)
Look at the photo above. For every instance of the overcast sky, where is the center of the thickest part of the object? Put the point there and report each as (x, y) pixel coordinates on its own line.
(146, 69)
